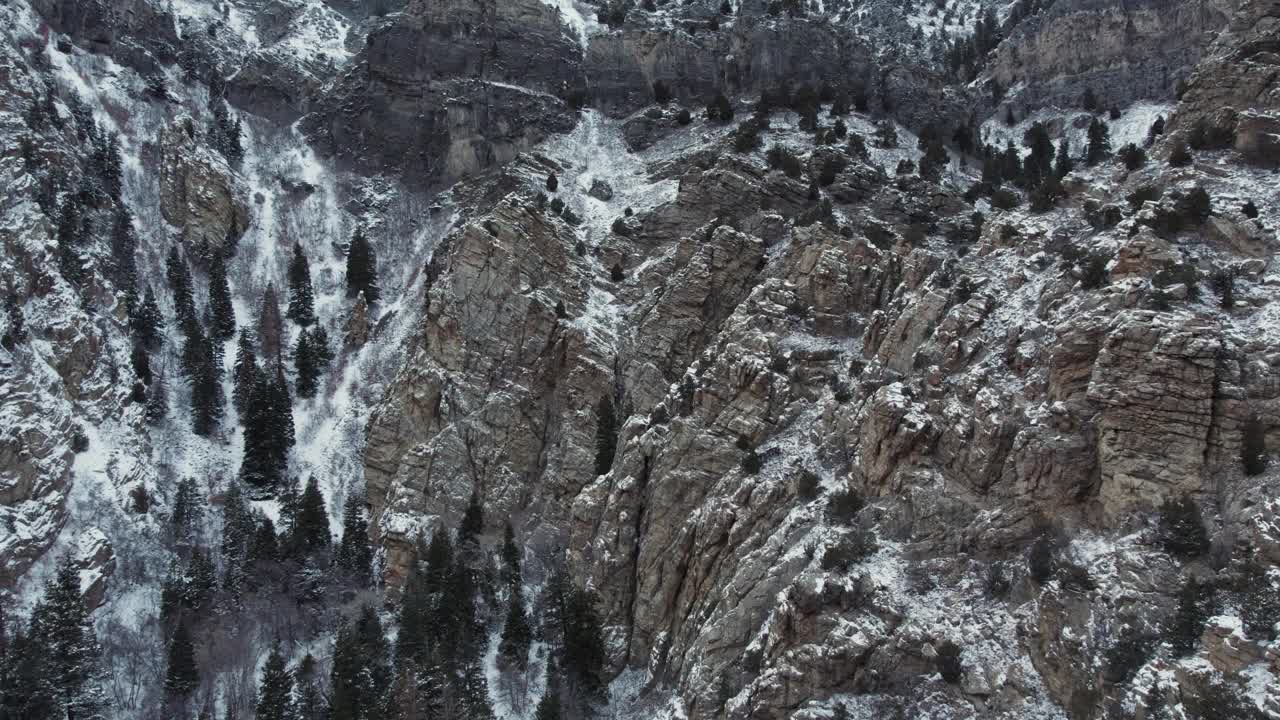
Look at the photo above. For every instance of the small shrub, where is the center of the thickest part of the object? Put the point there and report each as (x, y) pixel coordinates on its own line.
(619, 227)
(857, 146)
(831, 167)
(1093, 271)
(780, 158)
(1181, 529)
(1259, 603)
(140, 499)
(998, 581)
(557, 206)
(807, 486)
(1130, 652)
(848, 550)
(1040, 561)
(684, 117)
(1004, 199)
(553, 183)
(948, 661)
(571, 217)
(1133, 156)
(1076, 578)
(1180, 156)
(661, 93)
(561, 312)
(719, 109)
(1223, 283)
(751, 462)
(79, 441)
(615, 273)
(843, 506)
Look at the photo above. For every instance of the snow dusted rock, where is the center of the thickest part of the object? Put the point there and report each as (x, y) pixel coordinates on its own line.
(601, 190)
(1168, 392)
(1227, 648)
(199, 193)
(96, 561)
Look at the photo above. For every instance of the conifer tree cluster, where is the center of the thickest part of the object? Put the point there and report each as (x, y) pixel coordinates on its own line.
(268, 429)
(225, 132)
(52, 669)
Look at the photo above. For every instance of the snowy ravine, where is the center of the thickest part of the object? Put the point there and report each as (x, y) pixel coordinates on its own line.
(329, 428)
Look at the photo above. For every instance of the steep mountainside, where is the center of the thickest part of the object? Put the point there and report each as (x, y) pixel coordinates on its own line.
(557, 358)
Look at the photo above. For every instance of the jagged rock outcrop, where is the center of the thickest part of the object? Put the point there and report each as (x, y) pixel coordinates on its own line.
(199, 192)
(1120, 52)
(446, 89)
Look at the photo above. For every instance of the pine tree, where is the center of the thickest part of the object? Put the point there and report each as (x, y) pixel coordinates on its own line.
(311, 703)
(270, 327)
(301, 296)
(1063, 163)
(1196, 604)
(181, 675)
(62, 625)
(584, 658)
(71, 235)
(157, 401)
(549, 704)
(266, 546)
(321, 348)
(188, 509)
(1099, 148)
(202, 363)
(1181, 528)
(362, 269)
(305, 366)
(511, 557)
(184, 304)
(354, 553)
(147, 321)
(415, 611)
(223, 326)
(361, 672)
(124, 247)
(606, 434)
(516, 634)
(266, 445)
(244, 374)
(311, 528)
(275, 692)
(17, 332)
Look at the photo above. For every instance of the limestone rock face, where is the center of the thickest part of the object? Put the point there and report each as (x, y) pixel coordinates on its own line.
(449, 88)
(199, 193)
(1121, 52)
(1239, 74)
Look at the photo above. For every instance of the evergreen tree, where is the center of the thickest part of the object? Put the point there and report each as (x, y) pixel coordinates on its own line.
(1155, 131)
(1011, 164)
(265, 546)
(17, 332)
(1181, 529)
(516, 634)
(188, 509)
(1063, 164)
(584, 658)
(147, 321)
(1039, 162)
(184, 304)
(124, 248)
(283, 404)
(311, 702)
(511, 558)
(361, 672)
(354, 553)
(362, 269)
(549, 704)
(270, 327)
(181, 674)
(606, 434)
(62, 625)
(157, 401)
(311, 527)
(1099, 148)
(106, 162)
(205, 370)
(1196, 604)
(305, 366)
(275, 692)
(321, 348)
(244, 374)
(71, 235)
(266, 444)
(301, 296)
(223, 313)
(415, 611)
